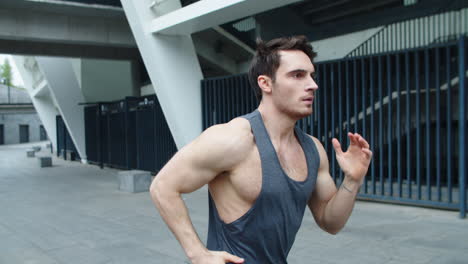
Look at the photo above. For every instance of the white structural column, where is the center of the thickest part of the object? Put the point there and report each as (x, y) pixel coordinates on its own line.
(40, 95)
(173, 68)
(162, 31)
(66, 92)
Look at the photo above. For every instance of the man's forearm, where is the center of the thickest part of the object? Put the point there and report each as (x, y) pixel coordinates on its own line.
(174, 212)
(340, 207)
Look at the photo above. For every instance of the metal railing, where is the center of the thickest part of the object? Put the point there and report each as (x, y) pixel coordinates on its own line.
(64, 141)
(128, 134)
(414, 33)
(410, 105)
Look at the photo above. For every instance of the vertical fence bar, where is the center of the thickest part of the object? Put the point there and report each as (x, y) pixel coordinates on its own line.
(449, 124)
(225, 99)
(428, 124)
(424, 31)
(372, 129)
(364, 110)
(398, 127)
(462, 126)
(325, 106)
(318, 103)
(389, 124)
(348, 121)
(438, 151)
(238, 101)
(210, 100)
(214, 95)
(340, 109)
(381, 152)
(347, 100)
(203, 85)
(387, 39)
(400, 35)
(312, 116)
(99, 137)
(355, 88)
(332, 106)
(231, 99)
(420, 31)
(418, 123)
(408, 125)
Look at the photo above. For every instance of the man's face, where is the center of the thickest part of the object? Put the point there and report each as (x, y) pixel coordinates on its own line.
(294, 87)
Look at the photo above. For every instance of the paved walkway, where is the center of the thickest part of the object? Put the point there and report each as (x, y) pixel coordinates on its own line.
(73, 213)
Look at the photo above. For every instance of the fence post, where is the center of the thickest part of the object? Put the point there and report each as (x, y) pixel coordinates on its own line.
(462, 127)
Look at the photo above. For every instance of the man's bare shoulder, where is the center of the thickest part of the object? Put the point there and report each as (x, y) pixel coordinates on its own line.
(228, 143)
(234, 135)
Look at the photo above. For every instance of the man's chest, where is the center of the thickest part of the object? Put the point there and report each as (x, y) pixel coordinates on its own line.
(247, 177)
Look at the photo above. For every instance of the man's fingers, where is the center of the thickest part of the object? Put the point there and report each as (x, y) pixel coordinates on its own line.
(363, 142)
(231, 258)
(352, 139)
(337, 146)
(368, 152)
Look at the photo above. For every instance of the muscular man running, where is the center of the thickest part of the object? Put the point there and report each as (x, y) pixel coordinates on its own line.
(261, 170)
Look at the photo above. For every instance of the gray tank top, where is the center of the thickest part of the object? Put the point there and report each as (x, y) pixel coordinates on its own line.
(266, 233)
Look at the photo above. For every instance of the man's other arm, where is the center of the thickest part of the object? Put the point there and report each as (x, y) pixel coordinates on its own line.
(330, 207)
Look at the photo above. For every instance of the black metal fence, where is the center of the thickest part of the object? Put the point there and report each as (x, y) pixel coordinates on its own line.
(64, 141)
(128, 134)
(418, 32)
(410, 105)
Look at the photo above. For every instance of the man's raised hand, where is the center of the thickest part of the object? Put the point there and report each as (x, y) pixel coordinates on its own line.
(355, 161)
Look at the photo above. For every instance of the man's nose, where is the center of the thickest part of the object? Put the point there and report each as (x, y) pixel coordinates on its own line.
(311, 85)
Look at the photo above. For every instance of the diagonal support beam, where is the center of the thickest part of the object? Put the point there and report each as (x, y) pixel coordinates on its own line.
(209, 13)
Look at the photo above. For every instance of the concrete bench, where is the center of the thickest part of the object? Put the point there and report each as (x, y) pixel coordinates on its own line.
(36, 148)
(30, 153)
(134, 181)
(45, 161)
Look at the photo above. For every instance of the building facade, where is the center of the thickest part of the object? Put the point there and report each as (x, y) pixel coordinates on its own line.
(19, 122)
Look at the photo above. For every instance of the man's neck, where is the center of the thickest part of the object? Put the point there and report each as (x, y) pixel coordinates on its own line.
(280, 126)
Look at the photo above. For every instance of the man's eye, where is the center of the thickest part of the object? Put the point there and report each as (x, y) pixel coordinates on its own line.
(298, 75)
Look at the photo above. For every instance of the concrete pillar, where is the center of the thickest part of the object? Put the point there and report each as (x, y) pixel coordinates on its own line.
(43, 102)
(65, 90)
(162, 31)
(173, 68)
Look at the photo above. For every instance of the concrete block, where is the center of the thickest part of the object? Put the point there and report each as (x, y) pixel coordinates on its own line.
(134, 181)
(45, 161)
(30, 153)
(71, 155)
(36, 148)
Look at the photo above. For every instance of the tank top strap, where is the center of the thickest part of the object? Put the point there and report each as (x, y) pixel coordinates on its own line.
(265, 149)
(258, 128)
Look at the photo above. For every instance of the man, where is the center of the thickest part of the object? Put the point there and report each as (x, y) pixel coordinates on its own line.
(261, 170)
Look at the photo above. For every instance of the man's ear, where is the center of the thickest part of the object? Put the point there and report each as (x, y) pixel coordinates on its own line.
(265, 83)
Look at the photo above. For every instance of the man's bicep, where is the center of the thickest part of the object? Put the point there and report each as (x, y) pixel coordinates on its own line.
(325, 187)
(195, 164)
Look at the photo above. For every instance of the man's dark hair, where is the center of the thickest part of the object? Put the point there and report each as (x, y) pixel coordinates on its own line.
(267, 60)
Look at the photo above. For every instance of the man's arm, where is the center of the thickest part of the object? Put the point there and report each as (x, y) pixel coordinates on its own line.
(330, 207)
(192, 167)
